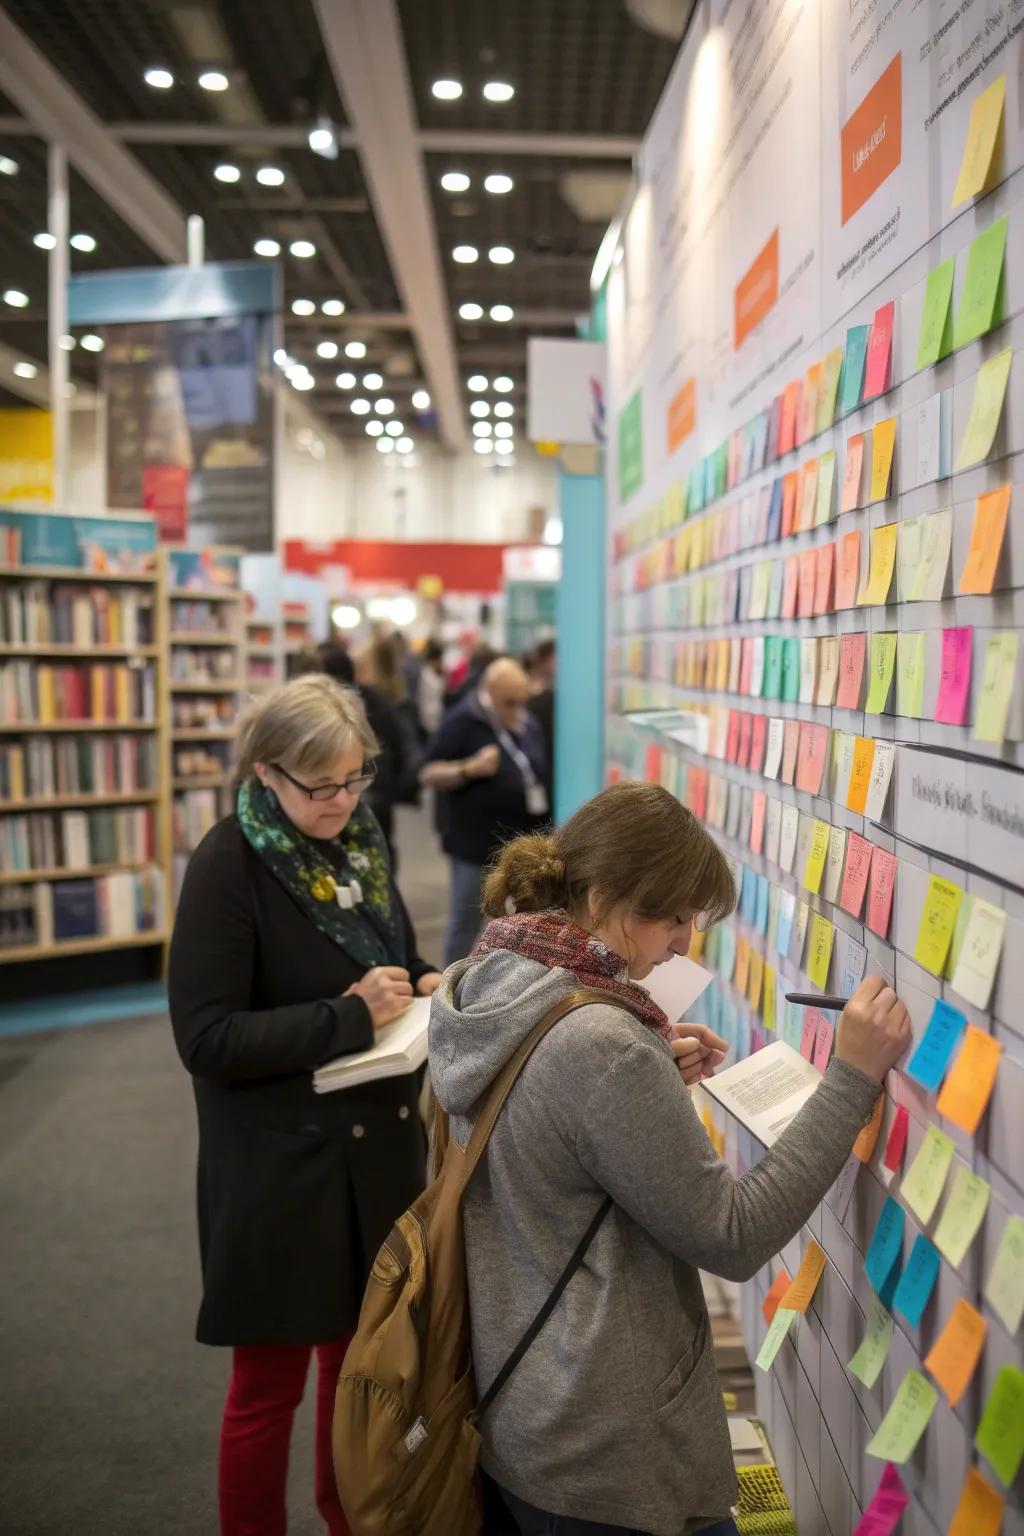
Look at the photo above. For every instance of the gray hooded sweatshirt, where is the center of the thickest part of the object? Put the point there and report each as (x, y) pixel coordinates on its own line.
(615, 1414)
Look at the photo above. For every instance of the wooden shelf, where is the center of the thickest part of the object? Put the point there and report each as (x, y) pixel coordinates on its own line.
(30, 876)
(197, 781)
(197, 733)
(79, 652)
(195, 595)
(74, 573)
(83, 946)
(66, 802)
(261, 650)
(202, 637)
(83, 727)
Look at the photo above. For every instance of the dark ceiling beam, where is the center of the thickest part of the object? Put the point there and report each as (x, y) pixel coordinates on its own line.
(354, 319)
(571, 146)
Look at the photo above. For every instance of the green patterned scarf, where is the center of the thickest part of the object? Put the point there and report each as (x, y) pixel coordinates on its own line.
(370, 932)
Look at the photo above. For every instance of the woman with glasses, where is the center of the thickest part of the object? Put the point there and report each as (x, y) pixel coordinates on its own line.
(291, 947)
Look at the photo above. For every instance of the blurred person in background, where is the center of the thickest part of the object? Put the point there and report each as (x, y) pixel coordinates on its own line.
(396, 764)
(431, 687)
(489, 762)
(542, 700)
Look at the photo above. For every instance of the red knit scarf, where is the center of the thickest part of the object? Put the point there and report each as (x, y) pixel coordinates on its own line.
(557, 942)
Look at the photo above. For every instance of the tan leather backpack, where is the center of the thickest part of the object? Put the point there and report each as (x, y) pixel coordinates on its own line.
(405, 1438)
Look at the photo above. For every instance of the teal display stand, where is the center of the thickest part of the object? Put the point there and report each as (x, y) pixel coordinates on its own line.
(579, 713)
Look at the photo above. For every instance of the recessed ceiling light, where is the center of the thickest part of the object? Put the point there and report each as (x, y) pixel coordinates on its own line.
(303, 249)
(481, 429)
(360, 407)
(501, 255)
(446, 90)
(346, 381)
(8, 167)
(395, 428)
(92, 343)
(471, 311)
(483, 445)
(67, 343)
(504, 407)
(83, 242)
(375, 428)
(15, 298)
(332, 307)
(498, 184)
(385, 445)
(420, 400)
(213, 80)
(383, 406)
(303, 381)
(227, 173)
(479, 408)
(502, 313)
(303, 307)
(159, 79)
(504, 429)
(355, 349)
(44, 240)
(373, 380)
(503, 384)
(266, 248)
(504, 446)
(465, 254)
(477, 382)
(25, 370)
(499, 90)
(270, 176)
(404, 445)
(327, 349)
(455, 181)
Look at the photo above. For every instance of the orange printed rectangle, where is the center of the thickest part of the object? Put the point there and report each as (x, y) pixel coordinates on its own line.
(681, 417)
(871, 142)
(756, 291)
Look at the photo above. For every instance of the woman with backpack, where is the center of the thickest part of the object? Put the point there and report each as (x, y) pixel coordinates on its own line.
(613, 1419)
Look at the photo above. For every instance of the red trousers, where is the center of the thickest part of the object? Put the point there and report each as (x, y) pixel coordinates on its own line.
(267, 1384)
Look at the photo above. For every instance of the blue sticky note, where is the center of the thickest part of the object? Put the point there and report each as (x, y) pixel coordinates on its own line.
(761, 915)
(709, 478)
(784, 927)
(853, 968)
(696, 497)
(886, 1244)
(917, 1281)
(928, 1064)
(890, 1287)
(748, 899)
(774, 512)
(727, 952)
(794, 1024)
(852, 380)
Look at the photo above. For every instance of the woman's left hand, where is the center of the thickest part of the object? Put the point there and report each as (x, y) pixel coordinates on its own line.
(698, 1051)
(428, 984)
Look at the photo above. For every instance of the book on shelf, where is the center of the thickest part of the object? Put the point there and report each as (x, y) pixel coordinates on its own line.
(70, 765)
(195, 665)
(398, 1048)
(18, 917)
(38, 612)
(193, 615)
(100, 691)
(195, 812)
(115, 906)
(10, 544)
(76, 839)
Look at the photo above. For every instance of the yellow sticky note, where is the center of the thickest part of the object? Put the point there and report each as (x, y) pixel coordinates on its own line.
(805, 1281)
(982, 135)
(768, 1010)
(980, 1510)
(997, 683)
(962, 1214)
(883, 441)
(826, 414)
(755, 977)
(978, 954)
(938, 919)
(817, 850)
(929, 583)
(875, 589)
(955, 1353)
(910, 665)
(826, 480)
(986, 406)
(906, 1421)
(1004, 1288)
(881, 665)
(924, 1179)
(778, 1328)
(819, 949)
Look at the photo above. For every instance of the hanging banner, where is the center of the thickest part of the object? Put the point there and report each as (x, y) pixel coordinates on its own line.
(26, 457)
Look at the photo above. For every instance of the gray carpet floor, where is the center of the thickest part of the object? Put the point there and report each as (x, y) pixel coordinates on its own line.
(109, 1411)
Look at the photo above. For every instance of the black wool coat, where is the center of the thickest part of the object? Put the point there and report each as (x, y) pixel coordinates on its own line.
(296, 1190)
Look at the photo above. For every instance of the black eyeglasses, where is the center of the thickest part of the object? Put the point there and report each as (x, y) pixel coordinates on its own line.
(355, 786)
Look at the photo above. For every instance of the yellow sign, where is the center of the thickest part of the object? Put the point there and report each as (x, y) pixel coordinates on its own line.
(26, 456)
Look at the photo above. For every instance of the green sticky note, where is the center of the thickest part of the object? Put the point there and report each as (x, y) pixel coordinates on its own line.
(852, 381)
(778, 1328)
(910, 664)
(1004, 1288)
(986, 408)
(826, 480)
(981, 301)
(906, 1421)
(771, 686)
(962, 1214)
(936, 338)
(926, 1175)
(1000, 1435)
(791, 669)
(881, 665)
(997, 683)
(873, 1349)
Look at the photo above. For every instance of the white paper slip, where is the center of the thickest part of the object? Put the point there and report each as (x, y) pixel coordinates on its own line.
(398, 1048)
(744, 1436)
(765, 1091)
(676, 985)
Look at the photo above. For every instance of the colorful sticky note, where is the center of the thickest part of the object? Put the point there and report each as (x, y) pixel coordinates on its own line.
(881, 884)
(829, 390)
(791, 730)
(805, 1281)
(855, 878)
(860, 774)
(931, 419)
(987, 530)
(980, 1509)
(938, 918)
(917, 1280)
(906, 1420)
(881, 667)
(883, 441)
(824, 1033)
(892, 1157)
(955, 678)
(1004, 1288)
(982, 945)
(825, 557)
(828, 669)
(883, 1514)
(776, 1291)
(811, 758)
(953, 1357)
(807, 497)
(910, 669)
(930, 1059)
(935, 340)
(873, 1349)
(967, 1089)
(778, 1328)
(886, 1244)
(980, 302)
(997, 684)
(849, 498)
(791, 668)
(817, 851)
(962, 1214)
(875, 590)
(771, 683)
(877, 371)
(848, 570)
(1000, 1435)
(867, 1136)
(826, 480)
(834, 863)
(986, 408)
(770, 997)
(924, 1179)
(929, 583)
(852, 653)
(980, 145)
(853, 369)
(819, 949)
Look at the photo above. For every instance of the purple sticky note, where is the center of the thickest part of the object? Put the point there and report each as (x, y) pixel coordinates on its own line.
(955, 684)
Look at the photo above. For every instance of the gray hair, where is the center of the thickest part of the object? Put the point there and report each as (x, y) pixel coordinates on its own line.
(304, 725)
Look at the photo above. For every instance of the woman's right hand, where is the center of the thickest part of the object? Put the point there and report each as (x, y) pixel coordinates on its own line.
(874, 1029)
(386, 991)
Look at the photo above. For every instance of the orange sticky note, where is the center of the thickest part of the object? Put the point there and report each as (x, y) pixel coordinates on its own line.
(778, 1288)
(848, 570)
(956, 1351)
(823, 579)
(980, 1510)
(808, 496)
(755, 978)
(968, 1088)
(790, 584)
(741, 969)
(789, 489)
(987, 533)
(805, 587)
(803, 1287)
(850, 498)
(860, 774)
(883, 441)
(867, 1139)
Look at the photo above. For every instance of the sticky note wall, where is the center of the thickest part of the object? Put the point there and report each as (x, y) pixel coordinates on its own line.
(815, 607)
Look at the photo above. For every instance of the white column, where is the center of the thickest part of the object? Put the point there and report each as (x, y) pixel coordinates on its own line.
(57, 224)
(196, 236)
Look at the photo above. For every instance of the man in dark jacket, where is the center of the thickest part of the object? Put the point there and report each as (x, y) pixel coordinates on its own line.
(489, 763)
(393, 764)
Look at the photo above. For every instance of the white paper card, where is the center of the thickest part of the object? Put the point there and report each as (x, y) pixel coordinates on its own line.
(765, 1091)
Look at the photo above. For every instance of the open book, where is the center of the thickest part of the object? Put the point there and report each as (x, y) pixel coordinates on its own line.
(398, 1048)
(766, 1090)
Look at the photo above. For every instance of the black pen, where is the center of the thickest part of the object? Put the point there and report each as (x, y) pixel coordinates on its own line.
(816, 1000)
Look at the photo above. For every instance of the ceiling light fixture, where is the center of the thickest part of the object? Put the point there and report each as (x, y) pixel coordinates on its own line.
(360, 407)
(471, 311)
(375, 428)
(344, 616)
(25, 370)
(302, 381)
(373, 380)
(455, 181)
(67, 343)
(483, 445)
(481, 429)
(83, 242)
(395, 429)
(503, 384)
(499, 91)
(383, 406)
(502, 313)
(213, 80)
(479, 408)
(44, 240)
(327, 349)
(346, 381)
(92, 343)
(227, 173)
(498, 184)
(15, 298)
(303, 307)
(8, 167)
(501, 255)
(270, 176)
(323, 139)
(266, 248)
(355, 349)
(504, 429)
(466, 254)
(404, 445)
(477, 382)
(446, 90)
(420, 400)
(504, 446)
(303, 249)
(159, 79)
(504, 407)
(332, 307)
(385, 445)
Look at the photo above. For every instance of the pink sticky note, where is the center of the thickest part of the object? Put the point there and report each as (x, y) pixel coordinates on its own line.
(757, 811)
(852, 653)
(789, 586)
(732, 741)
(810, 762)
(876, 372)
(758, 739)
(822, 1042)
(823, 579)
(809, 1032)
(955, 684)
(790, 746)
(880, 889)
(855, 875)
(746, 664)
(805, 584)
(882, 1515)
(896, 1145)
(743, 752)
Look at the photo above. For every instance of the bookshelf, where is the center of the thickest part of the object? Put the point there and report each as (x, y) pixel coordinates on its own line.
(83, 857)
(264, 653)
(298, 635)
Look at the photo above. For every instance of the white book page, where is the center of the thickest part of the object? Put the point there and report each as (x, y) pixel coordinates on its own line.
(765, 1091)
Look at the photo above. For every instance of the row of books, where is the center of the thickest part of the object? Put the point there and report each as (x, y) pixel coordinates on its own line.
(76, 839)
(199, 760)
(195, 812)
(192, 614)
(77, 765)
(41, 613)
(99, 906)
(195, 665)
(212, 714)
(37, 691)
